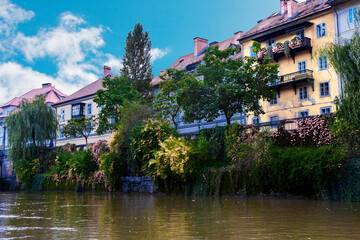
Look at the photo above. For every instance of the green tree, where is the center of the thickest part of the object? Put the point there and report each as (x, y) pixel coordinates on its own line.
(136, 61)
(80, 127)
(114, 163)
(169, 101)
(228, 86)
(118, 91)
(30, 128)
(344, 58)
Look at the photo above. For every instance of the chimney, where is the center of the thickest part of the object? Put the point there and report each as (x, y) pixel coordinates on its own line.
(283, 4)
(107, 71)
(237, 36)
(199, 45)
(46, 85)
(292, 8)
(163, 71)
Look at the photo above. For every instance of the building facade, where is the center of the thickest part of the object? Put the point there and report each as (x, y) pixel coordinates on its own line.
(293, 36)
(52, 95)
(190, 62)
(346, 17)
(80, 104)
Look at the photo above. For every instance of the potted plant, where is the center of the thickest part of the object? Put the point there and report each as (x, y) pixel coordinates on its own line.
(295, 42)
(287, 48)
(262, 53)
(269, 51)
(278, 48)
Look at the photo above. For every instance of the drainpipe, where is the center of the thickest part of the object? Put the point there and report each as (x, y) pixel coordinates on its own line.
(337, 34)
(4, 140)
(337, 40)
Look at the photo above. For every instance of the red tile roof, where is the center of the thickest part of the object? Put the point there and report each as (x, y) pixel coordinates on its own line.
(88, 90)
(187, 59)
(52, 95)
(275, 20)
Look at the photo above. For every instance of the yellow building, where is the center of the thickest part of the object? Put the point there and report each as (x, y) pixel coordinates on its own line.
(307, 84)
(80, 104)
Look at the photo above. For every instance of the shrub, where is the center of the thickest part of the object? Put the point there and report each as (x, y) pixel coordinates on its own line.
(26, 170)
(74, 166)
(305, 170)
(213, 141)
(113, 168)
(98, 148)
(313, 131)
(145, 141)
(244, 148)
(69, 147)
(176, 163)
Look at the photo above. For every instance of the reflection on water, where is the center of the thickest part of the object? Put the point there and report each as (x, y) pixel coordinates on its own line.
(136, 216)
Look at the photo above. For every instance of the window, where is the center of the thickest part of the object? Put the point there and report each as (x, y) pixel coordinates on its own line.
(273, 119)
(323, 63)
(303, 114)
(321, 30)
(62, 115)
(325, 110)
(252, 54)
(89, 109)
(300, 34)
(256, 120)
(270, 42)
(88, 128)
(302, 67)
(61, 132)
(352, 15)
(303, 93)
(275, 100)
(77, 110)
(112, 120)
(242, 121)
(324, 89)
(101, 108)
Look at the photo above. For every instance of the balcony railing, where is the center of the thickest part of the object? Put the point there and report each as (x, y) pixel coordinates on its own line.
(293, 79)
(294, 46)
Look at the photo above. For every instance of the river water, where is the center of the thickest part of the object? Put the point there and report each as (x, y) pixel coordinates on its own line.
(59, 215)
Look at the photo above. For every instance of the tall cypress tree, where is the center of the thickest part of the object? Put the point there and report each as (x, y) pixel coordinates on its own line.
(136, 60)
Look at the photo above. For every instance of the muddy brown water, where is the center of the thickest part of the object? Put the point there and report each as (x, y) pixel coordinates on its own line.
(59, 215)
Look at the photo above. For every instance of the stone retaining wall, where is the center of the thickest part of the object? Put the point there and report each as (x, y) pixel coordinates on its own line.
(138, 184)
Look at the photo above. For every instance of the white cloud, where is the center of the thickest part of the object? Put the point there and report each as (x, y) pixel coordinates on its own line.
(157, 53)
(10, 16)
(70, 46)
(62, 43)
(67, 19)
(73, 46)
(16, 80)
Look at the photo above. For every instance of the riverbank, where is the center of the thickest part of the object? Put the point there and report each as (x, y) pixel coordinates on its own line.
(212, 182)
(231, 160)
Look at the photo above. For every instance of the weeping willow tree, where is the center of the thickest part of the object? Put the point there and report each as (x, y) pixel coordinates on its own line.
(30, 128)
(344, 57)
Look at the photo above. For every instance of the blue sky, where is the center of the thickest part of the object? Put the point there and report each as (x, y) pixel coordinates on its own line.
(67, 42)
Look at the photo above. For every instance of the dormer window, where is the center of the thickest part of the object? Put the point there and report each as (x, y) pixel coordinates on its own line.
(77, 110)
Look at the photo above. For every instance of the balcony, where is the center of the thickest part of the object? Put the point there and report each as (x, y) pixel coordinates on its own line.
(293, 79)
(295, 45)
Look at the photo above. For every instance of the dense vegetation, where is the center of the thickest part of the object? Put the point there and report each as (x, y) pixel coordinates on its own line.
(318, 159)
